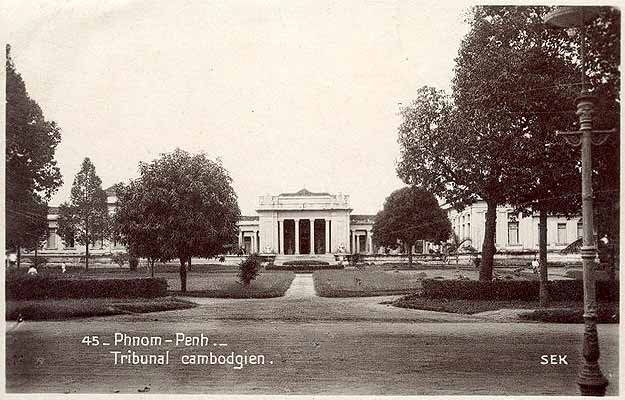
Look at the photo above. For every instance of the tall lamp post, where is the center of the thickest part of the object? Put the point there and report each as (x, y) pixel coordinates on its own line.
(590, 379)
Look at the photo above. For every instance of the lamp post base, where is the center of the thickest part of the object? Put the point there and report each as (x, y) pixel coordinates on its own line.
(590, 379)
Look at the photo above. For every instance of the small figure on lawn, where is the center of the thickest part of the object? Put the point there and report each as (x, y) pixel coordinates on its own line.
(32, 271)
(535, 265)
(63, 267)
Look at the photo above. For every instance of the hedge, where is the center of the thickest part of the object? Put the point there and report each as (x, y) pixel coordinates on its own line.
(36, 287)
(302, 267)
(559, 290)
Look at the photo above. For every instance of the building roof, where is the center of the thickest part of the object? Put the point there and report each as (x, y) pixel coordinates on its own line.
(305, 192)
(362, 218)
(110, 191)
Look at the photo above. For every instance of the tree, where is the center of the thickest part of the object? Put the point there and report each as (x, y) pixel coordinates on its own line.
(410, 214)
(141, 236)
(32, 176)
(85, 218)
(496, 140)
(182, 205)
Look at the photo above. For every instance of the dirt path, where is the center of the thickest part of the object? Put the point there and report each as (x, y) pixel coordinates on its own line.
(331, 358)
(302, 287)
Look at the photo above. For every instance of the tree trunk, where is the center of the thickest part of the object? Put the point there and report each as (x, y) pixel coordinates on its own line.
(19, 255)
(488, 247)
(87, 255)
(189, 262)
(151, 265)
(183, 275)
(542, 258)
(409, 248)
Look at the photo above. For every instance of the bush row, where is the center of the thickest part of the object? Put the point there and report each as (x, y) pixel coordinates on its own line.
(559, 290)
(301, 267)
(36, 287)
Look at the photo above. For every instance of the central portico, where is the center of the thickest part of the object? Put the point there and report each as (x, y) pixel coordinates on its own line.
(303, 223)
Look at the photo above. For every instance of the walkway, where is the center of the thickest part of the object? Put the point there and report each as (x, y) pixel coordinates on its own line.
(302, 287)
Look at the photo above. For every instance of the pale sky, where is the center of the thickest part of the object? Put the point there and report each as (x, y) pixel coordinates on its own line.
(289, 94)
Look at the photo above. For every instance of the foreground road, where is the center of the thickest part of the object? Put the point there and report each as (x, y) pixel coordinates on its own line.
(349, 356)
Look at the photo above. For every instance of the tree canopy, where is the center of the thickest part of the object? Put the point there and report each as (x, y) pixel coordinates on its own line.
(182, 206)
(494, 138)
(410, 214)
(32, 175)
(85, 218)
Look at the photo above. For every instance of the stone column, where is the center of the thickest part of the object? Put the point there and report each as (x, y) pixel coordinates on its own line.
(296, 236)
(312, 235)
(327, 246)
(357, 237)
(370, 242)
(240, 237)
(281, 236)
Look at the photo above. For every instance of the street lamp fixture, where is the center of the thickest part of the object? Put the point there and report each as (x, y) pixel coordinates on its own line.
(590, 379)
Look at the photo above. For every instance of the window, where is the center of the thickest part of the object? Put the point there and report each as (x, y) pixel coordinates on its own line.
(468, 235)
(580, 229)
(513, 232)
(52, 238)
(562, 233)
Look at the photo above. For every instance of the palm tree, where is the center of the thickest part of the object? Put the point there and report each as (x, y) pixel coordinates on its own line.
(453, 247)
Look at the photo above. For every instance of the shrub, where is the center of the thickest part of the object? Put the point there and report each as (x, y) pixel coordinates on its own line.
(306, 262)
(133, 262)
(37, 287)
(302, 267)
(249, 269)
(120, 258)
(38, 261)
(559, 290)
(355, 258)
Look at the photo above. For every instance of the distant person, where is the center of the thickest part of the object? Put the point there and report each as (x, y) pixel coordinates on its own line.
(63, 267)
(32, 271)
(535, 265)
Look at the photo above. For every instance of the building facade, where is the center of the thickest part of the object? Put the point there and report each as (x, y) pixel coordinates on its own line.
(300, 223)
(308, 223)
(514, 232)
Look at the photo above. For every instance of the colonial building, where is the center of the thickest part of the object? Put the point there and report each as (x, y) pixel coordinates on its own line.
(300, 223)
(316, 224)
(305, 223)
(514, 232)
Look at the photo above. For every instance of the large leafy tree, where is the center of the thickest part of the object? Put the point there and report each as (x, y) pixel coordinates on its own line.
(85, 218)
(141, 236)
(31, 172)
(182, 206)
(411, 214)
(514, 86)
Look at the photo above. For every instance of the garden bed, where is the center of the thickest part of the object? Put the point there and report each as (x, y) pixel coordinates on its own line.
(61, 309)
(227, 285)
(558, 311)
(355, 283)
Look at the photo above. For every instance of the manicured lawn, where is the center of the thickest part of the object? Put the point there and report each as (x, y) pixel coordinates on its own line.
(561, 312)
(227, 285)
(354, 283)
(80, 308)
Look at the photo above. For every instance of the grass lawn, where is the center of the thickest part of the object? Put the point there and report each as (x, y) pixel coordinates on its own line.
(561, 312)
(227, 285)
(60, 309)
(354, 283)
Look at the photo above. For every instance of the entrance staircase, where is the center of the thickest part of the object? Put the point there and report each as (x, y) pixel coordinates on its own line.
(282, 258)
